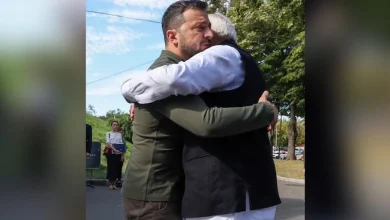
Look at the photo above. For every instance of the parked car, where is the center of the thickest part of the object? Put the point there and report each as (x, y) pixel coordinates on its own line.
(282, 154)
(301, 157)
(284, 151)
(298, 152)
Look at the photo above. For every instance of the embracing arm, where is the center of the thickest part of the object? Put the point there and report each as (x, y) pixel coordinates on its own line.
(108, 142)
(192, 114)
(218, 68)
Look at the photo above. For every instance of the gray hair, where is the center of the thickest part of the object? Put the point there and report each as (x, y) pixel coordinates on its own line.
(222, 25)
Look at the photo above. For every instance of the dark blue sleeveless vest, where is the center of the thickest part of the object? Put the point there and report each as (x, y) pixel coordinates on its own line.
(219, 171)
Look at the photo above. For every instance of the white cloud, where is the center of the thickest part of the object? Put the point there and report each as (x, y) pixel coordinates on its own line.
(159, 4)
(110, 86)
(104, 91)
(160, 46)
(88, 58)
(95, 75)
(136, 14)
(93, 15)
(113, 40)
(146, 15)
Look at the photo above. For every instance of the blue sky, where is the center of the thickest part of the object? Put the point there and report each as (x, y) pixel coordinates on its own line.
(116, 44)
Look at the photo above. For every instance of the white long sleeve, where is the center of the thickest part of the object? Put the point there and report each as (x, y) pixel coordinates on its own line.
(218, 68)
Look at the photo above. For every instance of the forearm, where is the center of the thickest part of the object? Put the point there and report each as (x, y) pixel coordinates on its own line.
(111, 146)
(237, 120)
(216, 69)
(192, 114)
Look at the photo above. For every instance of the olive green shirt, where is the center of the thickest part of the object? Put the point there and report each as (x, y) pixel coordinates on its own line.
(154, 171)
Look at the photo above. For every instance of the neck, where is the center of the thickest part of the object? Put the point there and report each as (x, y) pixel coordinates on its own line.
(175, 50)
(219, 40)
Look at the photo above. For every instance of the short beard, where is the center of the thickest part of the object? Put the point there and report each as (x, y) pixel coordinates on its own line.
(187, 50)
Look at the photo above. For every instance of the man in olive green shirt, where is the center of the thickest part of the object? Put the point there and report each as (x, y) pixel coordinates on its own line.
(154, 180)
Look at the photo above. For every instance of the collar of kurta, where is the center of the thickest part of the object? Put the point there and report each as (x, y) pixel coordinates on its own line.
(171, 55)
(228, 42)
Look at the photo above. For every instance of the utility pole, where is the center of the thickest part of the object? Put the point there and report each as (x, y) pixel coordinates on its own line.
(280, 128)
(276, 137)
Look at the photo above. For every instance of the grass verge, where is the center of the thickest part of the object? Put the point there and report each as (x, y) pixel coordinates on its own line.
(285, 168)
(290, 168)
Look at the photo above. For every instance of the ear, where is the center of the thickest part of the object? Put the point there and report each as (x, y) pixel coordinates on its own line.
(172, 36)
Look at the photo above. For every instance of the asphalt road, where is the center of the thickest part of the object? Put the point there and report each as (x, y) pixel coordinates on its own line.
(103, 204)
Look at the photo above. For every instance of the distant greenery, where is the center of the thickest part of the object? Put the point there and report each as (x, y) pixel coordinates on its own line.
(282, 133)
(100, 127)
(273, 31)
(290, 168)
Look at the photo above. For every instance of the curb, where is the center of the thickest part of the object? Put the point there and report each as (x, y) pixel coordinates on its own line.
(97, 182)
(103, 182)
(291, 180)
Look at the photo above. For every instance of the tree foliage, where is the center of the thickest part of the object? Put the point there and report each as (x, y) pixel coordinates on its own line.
(219, 6)
(122, 117)
(91, 110)
(282, 136)
(273, 31)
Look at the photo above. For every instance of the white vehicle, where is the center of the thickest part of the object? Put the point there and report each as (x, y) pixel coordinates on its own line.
(282, 154)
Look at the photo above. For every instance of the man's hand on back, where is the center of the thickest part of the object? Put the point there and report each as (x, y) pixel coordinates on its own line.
(131, 112)
(264, 98)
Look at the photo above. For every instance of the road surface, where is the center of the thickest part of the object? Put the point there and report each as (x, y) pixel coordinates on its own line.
(103, 204)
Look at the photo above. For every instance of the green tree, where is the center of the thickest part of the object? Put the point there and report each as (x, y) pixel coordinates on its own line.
(273, 32)
(91, 110)
(219, 6)
(282, 133)
(281, 139)
(294, 64)
(301, 132)
(124, 122)
(109, 115)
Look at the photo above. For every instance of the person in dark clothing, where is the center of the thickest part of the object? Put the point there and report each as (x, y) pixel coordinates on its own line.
(114, 157)
(119, 179)
(89, 139)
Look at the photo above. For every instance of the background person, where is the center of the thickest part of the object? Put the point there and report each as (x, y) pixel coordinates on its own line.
(89, 139)
(123, 157)
(114, 157)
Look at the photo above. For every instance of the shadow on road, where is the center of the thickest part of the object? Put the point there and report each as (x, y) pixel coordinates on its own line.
(290, 209)
(103, 203)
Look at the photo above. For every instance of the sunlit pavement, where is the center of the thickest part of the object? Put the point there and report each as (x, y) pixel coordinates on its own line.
(105, 204)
